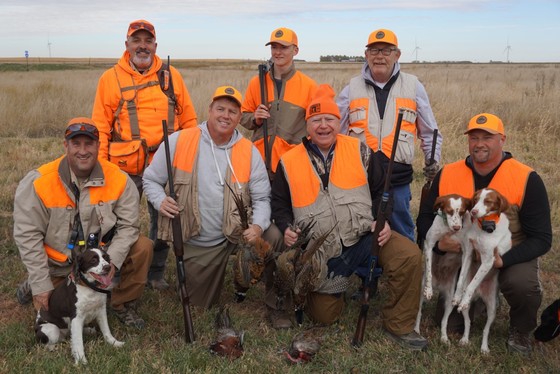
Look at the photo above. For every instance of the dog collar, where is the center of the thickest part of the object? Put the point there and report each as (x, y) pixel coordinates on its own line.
(488, 222)
(92, 285)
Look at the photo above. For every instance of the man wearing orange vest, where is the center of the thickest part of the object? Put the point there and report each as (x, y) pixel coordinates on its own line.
(369, 106)
(489, 166)
(60, 204)
(288, 92)
(207, 160)
(332, 179)
(132, 99)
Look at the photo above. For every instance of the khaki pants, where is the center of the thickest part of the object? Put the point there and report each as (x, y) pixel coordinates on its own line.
(134, 273)
(205, 269)
(401, 260)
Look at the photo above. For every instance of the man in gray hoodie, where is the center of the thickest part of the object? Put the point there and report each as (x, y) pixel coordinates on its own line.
(210, 163)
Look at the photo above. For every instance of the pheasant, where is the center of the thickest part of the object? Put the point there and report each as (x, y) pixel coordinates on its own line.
(298, 274)
(304, 346)
(229, 342)
(250, 258)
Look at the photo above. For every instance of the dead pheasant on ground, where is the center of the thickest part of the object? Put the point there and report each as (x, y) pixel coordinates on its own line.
(250, 258)
(229, 342)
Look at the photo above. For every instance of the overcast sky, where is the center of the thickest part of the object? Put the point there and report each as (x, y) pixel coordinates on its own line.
(433, 30)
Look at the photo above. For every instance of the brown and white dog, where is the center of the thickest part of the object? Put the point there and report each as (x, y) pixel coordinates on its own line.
(76, 302)
(488, 233)
(441, 272)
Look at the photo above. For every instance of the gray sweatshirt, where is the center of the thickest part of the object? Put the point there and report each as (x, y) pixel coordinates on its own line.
(212, 165)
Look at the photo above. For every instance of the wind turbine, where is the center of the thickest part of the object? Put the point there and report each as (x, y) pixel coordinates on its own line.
(415, 51)
(506, 50)
(49, 44)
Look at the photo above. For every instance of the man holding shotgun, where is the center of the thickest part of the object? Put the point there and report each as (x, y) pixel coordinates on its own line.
(274, 108)
(132, 99)
(207, 161)
(333, 179)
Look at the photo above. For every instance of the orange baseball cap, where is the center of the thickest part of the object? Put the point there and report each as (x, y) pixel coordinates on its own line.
(382, 36)
(141, 24)
(487, 122)
(322, 102)
(81, 126)
(228, 91)
(283, 36)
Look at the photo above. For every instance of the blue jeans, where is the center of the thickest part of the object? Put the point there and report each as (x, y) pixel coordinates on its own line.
(401, 220)
(351, 258)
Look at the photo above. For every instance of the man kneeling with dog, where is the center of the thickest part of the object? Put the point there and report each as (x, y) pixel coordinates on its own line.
(60, 204)
(488, 165)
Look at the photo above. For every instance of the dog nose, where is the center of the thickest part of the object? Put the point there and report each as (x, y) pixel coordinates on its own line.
(456, 228)
(474, 212)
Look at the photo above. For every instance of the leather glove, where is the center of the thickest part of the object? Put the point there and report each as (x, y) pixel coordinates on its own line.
(430, 171)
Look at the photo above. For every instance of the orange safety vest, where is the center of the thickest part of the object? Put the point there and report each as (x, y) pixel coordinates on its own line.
(54, 196)
(347, 200)
(185, 183)
(365, 120)
(510, 180)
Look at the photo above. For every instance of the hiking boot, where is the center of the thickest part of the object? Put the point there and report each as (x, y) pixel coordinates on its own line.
(128, 315)
(158, 284)
(279, 319)
(23, 293)
(412, 340)
(518, 342)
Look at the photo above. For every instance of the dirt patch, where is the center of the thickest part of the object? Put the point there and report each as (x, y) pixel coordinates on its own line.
(11, 311)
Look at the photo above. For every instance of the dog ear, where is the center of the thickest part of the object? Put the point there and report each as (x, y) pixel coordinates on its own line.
(504, 203)
(440, 200)
(468, 203)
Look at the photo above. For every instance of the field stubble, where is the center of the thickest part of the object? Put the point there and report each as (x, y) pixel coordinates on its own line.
(35, 106)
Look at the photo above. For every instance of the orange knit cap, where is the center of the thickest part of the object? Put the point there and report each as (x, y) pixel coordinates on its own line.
(322, 102)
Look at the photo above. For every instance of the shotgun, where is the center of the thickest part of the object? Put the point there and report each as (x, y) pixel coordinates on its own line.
(178, 245)
(426, 187)
(263, 69)
(380, 220)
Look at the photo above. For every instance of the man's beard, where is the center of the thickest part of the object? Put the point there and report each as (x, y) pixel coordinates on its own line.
(142, 62)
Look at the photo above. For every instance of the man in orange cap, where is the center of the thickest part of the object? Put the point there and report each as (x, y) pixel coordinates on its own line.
(132, 99)
(333, 180)
(61, 204)
(369, 106)
(488, 165)
(288, 92)
(207, 161)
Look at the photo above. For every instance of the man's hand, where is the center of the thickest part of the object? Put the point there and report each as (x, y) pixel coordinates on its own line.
(447, 244)
(384, 234)
(42, 300)
(430, 171)
(261, 113)
(252, 233)
(291, 236)
(169, 207)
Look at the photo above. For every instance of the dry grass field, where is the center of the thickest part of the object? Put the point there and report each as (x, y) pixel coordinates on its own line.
(36, 104)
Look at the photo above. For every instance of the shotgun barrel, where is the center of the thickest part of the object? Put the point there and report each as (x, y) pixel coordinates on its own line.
(380, 220)
(178, 246)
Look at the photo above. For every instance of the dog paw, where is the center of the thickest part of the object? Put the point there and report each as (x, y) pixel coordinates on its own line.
(117, 344)
(444, 340)
(485, 350)
(463, 306)
(464, 341)
(428, 293)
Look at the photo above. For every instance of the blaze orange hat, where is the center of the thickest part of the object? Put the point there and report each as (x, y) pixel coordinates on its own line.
(487, 122)
(81, 126)
(283, 36)
(141, 24)
(382, 36)
(322, 102)
(228, 91)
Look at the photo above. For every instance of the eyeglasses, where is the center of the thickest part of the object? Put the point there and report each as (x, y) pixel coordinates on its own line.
(384, 51)
(81, 127)
(140, 26)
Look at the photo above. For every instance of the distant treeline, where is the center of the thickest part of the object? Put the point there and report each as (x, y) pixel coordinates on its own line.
(341, 58)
